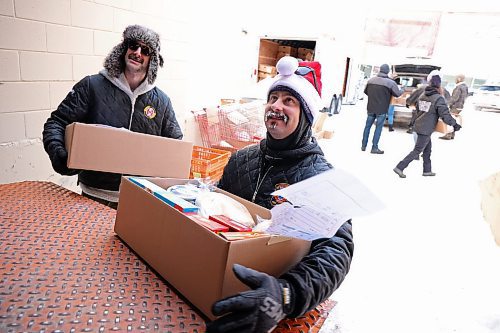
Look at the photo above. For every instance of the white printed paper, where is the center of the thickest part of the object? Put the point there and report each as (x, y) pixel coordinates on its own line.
(319, 205)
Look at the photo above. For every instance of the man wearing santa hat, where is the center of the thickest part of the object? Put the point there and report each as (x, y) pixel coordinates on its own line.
(287, 155)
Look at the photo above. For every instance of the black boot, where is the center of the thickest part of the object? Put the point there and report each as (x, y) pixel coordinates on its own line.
(391, 129)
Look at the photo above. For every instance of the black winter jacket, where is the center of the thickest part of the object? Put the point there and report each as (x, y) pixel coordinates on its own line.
(253, 173)
(98, 100)
(430, 107)
(379, 90)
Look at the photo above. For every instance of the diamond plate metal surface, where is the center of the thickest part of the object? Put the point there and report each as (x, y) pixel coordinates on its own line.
(63, 269)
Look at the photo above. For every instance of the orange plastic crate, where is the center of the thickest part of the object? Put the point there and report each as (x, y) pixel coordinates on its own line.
(208, 162)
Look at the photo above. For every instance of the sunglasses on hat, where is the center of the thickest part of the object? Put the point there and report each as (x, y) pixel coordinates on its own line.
(134, 45)
(304, 70)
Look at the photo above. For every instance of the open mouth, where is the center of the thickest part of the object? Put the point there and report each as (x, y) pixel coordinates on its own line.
(271, 115)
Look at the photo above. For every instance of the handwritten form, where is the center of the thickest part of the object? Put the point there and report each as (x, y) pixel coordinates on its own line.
(319, 205)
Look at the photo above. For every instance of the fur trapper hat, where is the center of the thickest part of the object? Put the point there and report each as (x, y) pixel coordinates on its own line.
(115, 61)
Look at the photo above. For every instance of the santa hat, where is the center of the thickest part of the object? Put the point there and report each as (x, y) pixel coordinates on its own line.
(115, 61)
(300, 86)
(434, 78)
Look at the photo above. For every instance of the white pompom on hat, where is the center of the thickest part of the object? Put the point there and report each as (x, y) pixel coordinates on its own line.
(286, 68)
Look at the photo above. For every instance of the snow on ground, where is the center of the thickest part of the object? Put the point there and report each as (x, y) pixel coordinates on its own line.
(428, 262)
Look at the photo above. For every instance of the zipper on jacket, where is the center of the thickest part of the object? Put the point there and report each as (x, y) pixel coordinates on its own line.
(259, 182)
(131, 113)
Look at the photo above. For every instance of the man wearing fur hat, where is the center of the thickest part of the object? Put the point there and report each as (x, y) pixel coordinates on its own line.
(123, 94)
(287, 155)
(431, 106)
(379, 90)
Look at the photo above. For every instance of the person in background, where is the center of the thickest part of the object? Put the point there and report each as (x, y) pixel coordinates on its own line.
(390, 117)
(390, 113)
(123, 94)
(288, 154)
(411, 102)
(457, 101)
(379, 90)
(430, 107)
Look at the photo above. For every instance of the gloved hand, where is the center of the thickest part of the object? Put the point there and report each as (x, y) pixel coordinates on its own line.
(257, 310)
(457, 127)
(59, 160)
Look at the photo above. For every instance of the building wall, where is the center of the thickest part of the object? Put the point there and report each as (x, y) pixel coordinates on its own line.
(46, 46)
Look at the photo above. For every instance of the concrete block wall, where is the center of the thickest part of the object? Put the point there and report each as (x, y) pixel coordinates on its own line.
(46, 46)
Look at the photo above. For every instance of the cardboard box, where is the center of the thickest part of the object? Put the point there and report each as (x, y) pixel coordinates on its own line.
(280, 55)
(111, 149)
(442, 127)
(305, 54)
(285, 49)
(401, 100)
(194, 260)
(267, 69)
(263, 75)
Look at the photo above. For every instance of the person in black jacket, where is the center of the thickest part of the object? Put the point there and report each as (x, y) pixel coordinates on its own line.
(379, 90)
(430, 107)
(286, 156)
(121, 95)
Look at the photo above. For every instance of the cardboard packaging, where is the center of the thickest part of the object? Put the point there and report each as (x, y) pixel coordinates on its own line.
(263, 75)
(267, 69)
(194, 260)
(401, 100)
(442, 127)
(111, 149)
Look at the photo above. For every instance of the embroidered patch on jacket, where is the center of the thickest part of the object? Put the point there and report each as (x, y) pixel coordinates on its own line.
(277, 199)
(149, 112)
(424, 106)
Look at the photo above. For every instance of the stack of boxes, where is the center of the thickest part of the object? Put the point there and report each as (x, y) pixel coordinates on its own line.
(270, 52)
(305, 54)
(266, 71)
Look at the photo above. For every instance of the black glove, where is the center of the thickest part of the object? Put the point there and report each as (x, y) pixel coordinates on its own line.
(457, 127)
(257, 310)
(59, 159)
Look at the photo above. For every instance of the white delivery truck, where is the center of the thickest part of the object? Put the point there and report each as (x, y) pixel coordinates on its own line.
(340, 75)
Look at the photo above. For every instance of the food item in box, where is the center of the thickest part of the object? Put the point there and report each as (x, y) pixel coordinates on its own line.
(162, 194)
(209, 224)
(215, 203)
(229, 222)
(232, 235)
(188, 192)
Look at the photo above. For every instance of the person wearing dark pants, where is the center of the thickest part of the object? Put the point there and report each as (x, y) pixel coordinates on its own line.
(430, 107)
(379, 120)
(379, 90)
(423, 146)
(390, 118)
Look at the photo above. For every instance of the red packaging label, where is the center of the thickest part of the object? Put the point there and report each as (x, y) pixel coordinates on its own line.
(232, 224)
(209, 224)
